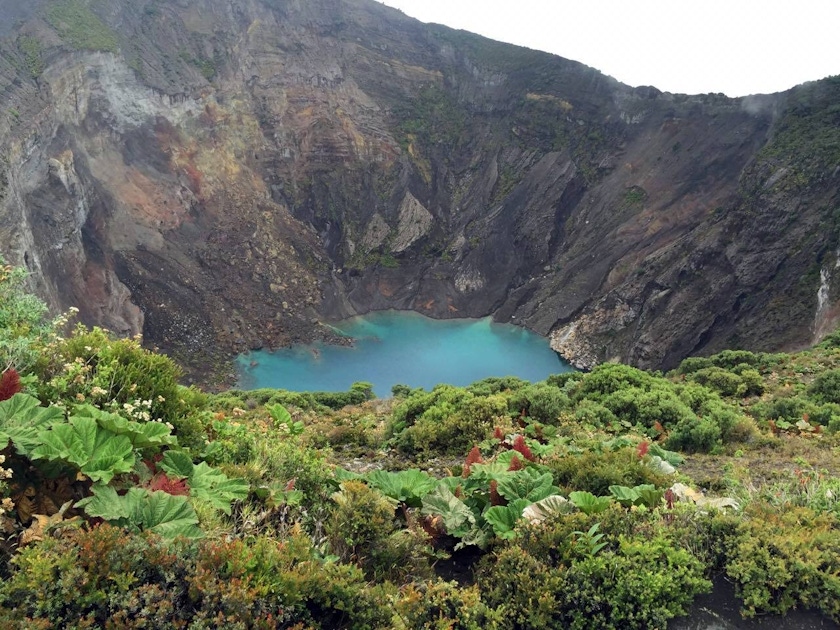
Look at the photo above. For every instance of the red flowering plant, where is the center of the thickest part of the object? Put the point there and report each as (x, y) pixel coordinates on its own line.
(473, 457)
(522, 448)
(10, 384)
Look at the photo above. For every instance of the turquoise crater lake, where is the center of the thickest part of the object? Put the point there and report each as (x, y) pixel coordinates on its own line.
(393, 347)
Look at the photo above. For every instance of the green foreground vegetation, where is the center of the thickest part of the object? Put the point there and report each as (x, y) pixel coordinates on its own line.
(599, 500)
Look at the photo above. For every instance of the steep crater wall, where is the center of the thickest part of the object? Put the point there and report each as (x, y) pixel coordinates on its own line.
(223, 176)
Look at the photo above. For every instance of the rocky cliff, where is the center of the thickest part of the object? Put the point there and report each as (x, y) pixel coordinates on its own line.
(222, 174)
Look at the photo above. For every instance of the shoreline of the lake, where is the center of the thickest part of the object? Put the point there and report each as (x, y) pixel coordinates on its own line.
(403, 339)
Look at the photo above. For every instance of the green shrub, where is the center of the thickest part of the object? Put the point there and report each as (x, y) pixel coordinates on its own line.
(788, 408)
(362, 530)
(400, 391)
(693, 434)
(524, 589)
(307, 401)
(723, 382)
(438, 605)
(695, 395)
(595, 472)
(540, 402)
(694, 364)
(643, 584)
(729, 359)
(114, 374)
(610, 378)
(454, 424)
(108, 578)
(446, 397)
(231, 442)
(740, 381)
(595, 414)
(189, 425)
(787, 560)
(707, 534)
(283, 461)
(826, 387)
(724, 415)
(22, 324)
(751, 381)
(546, 580)
(33, 51)
(496, 385)
(831, 341)
(565, 380)
(646, 408)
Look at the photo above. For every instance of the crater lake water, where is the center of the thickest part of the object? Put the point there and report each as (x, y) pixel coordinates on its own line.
(393, 347)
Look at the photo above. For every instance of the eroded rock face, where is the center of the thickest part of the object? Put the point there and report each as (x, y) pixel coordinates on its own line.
(231, 173)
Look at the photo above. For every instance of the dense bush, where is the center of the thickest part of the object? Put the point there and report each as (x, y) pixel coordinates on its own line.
(723, 382)
(540, 402)
(826, 387)
(595, 472)
(609, 378)
(694, 434)
(552, 578)
(449, 422)
(310, 401)
(740, 381)
(445, 398)
(729, 359)
(694, 364)
(287, 461)
(117, 374)
(784, 560)
(595, 414)
(642, 584)
(646, 408)
(22, 325)
(108, 578)
(438, 605)
(496, 385)
(524, 588)
(362, 530)
(793, 409)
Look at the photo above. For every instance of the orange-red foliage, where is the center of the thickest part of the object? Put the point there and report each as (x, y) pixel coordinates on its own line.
(169, 486)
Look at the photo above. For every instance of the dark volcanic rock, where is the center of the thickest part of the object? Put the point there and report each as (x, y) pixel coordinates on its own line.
(222, 175)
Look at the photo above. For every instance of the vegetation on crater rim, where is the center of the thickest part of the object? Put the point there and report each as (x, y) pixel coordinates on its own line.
(599, 500)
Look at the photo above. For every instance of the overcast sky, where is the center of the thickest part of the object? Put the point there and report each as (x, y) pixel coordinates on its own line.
(737, 47)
